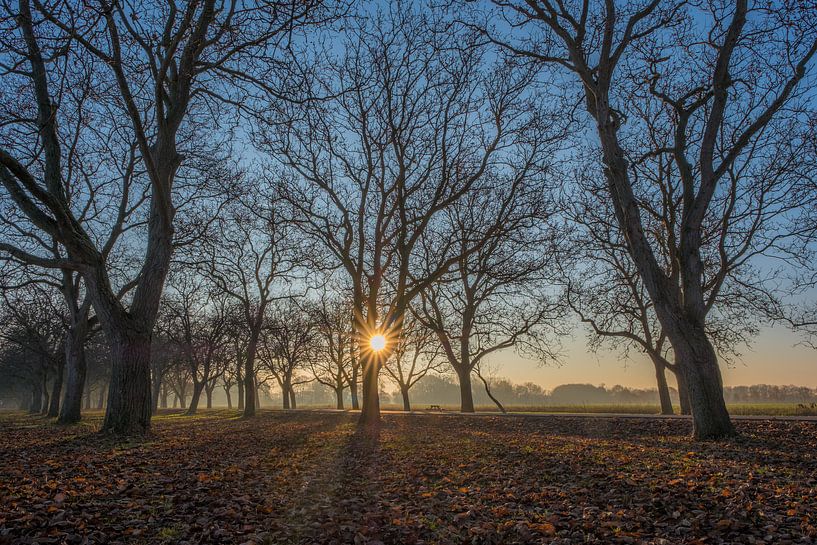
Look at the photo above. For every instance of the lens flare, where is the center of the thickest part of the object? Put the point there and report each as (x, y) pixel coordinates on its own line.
(378, 343)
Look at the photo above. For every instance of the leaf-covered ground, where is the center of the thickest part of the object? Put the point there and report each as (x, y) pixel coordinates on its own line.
(315, 478)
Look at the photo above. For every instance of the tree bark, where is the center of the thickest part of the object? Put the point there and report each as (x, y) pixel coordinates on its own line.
(353, 392)
(698, 362)
(285, 399)
(663, 387)
(163, 398)
(339, 397)
(250, 398)
(466, 393)
(209, 393)
(198, 387)
(683, 393)
(77, 367)
(292, 403)
(56, 389)
(75, 362)
(404, 392)
(240, 384)
(370, 413)
(128, 411)
(229, 397)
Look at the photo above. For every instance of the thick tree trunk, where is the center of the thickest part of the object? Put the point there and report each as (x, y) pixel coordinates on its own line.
(285, 398)
(370, 413)
(209, 393)
(339, 397)
(683, 393)
(292, 403)
(250, 398)
(128, 409)
(77, 371)
(698, 362)
(466, 393)
(198, 387)
(404, 392)
(663, 387)
(56, 390)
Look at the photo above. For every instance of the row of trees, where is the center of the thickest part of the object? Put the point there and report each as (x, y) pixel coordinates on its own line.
(464, 176)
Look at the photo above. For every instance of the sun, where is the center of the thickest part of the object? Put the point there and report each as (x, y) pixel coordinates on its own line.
(378, 343)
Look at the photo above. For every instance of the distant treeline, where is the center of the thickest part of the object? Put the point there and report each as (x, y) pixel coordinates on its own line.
(444, 390)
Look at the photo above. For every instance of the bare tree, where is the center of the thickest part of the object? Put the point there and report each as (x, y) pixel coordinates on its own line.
(34, 324)
(496, 297)
(722, 80)
(250, 255)
(416, 355)
(197, 323)
(416, 121)
(288, 345)
(332, 362)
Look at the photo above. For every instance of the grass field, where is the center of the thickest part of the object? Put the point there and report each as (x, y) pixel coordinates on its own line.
(308, 477)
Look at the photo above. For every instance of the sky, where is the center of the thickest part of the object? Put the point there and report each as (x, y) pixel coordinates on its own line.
(776, 357)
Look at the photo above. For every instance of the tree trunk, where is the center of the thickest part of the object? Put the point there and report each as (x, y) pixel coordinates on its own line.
(339, 397)
(250, 398)
(466, 393)
(198, 387)
(36, 396)
(240, 386)
(209, 393)
(683, 393)
(370, 413)
(155, 392)
(353, 391)
(56, 390)
(229, 397)
(128, 409)
(77, 371)
(292, 403)
(663, 387)
(404, 392)
(698, 362)
(285, 387)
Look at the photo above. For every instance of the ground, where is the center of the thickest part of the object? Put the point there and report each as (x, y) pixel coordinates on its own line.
(312, 477)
